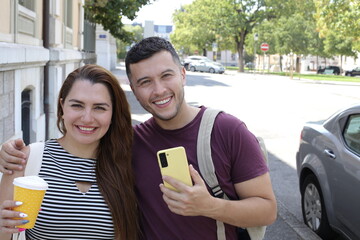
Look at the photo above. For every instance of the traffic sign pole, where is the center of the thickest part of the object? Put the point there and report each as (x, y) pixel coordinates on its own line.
(264, 47)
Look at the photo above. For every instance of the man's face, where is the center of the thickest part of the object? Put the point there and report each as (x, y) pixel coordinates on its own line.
(158, 84)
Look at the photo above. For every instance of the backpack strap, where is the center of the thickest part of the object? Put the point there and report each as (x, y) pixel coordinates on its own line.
(34, 161)
(205, 162)
(207, 170)
(204, 151)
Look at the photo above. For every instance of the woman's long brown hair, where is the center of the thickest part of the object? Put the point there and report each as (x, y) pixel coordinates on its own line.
(114, 172)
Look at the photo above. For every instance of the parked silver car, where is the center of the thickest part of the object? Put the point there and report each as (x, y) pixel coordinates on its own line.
(207, 66)
(193, 59)
(328, 166)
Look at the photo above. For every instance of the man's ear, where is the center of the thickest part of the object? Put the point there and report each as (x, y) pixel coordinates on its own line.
(133, 90)
(183, 75)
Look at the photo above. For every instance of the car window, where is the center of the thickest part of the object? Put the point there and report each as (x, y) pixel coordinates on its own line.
(352, 133)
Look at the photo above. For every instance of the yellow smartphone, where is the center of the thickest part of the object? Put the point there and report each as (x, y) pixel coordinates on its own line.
(173, 162)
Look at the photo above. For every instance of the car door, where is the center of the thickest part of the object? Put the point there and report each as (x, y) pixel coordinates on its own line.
(201, 66)
(345, 182)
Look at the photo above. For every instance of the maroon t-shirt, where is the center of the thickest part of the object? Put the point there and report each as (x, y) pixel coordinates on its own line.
(236, 155)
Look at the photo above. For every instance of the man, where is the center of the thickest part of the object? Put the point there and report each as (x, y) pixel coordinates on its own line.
(157, 79)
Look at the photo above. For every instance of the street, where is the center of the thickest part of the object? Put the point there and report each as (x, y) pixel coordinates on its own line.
(272, 107)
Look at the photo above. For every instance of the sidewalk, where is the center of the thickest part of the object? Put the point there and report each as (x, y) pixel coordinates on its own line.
(286, 227)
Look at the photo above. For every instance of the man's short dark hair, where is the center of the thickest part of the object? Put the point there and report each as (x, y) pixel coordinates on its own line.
(146, 48)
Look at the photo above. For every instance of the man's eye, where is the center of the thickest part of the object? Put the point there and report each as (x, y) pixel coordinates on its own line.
(167, 75)
(144, 82)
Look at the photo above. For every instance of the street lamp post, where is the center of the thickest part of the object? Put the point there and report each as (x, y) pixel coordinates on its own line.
(256, 36)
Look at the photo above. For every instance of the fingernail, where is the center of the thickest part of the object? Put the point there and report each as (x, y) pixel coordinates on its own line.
(23, 215)
(18, 203)
(24, 221)
(22, 229)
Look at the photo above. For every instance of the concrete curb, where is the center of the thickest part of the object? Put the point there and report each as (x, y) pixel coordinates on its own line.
(300, 228)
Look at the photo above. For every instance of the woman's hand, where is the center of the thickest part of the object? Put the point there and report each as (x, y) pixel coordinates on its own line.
(8, 222)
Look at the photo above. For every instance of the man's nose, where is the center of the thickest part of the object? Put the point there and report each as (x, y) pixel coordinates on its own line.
(159, 87)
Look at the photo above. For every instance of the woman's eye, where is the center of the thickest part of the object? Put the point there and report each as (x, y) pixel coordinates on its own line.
(100, 108)
(76, 106)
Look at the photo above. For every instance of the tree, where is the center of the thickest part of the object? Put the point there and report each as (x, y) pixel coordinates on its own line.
(341, 17)
(109, 14)
(207, 21)
(192, 29)
(121, 46)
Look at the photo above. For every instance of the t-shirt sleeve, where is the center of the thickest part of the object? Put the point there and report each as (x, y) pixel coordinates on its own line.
(246, 160)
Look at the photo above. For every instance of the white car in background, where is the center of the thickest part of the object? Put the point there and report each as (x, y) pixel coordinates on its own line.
(206, 65)
(193, 59)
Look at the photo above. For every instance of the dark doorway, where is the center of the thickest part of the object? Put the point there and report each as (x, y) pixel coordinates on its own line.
(26, 115)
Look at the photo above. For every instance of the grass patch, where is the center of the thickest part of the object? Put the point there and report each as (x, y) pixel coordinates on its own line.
(316, 77)
(321, 77)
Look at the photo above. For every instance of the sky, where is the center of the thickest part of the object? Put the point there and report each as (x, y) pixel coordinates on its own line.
(159, 11)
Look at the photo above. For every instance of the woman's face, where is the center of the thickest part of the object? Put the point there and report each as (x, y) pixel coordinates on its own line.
(87, 112)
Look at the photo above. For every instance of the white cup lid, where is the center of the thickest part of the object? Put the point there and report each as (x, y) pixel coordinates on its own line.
(31, 182)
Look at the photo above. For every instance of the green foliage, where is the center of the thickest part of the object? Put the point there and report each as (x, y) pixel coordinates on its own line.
(341, 17)
(121, 46)
(323, 28)
(109, 14)
(224, 22)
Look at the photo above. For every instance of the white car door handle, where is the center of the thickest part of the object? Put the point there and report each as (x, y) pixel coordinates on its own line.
(330, 153)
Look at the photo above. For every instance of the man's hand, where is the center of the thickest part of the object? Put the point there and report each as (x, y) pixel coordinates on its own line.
(11, 156)
(189, 201)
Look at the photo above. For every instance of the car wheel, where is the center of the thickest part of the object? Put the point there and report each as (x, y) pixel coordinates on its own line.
(313, 208)
(192, 68)
(211, 70)
(348, 74)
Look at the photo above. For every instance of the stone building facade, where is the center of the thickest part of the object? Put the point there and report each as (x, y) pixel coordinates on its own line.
(41, 42)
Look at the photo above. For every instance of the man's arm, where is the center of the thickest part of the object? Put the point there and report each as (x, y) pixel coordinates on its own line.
(257, 206)
(11, 156)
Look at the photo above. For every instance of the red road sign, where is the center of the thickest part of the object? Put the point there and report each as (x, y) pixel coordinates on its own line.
(264, 47)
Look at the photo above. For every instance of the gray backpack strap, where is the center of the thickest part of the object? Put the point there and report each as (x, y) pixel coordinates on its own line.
(204, 151)
(206, 165)
(207, 170)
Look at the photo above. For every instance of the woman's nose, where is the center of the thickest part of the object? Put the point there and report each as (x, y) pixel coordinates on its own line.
(87, 115)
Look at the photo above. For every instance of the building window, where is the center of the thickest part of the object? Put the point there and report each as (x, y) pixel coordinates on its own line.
(29, 4)
(218, 55)
(69, 13)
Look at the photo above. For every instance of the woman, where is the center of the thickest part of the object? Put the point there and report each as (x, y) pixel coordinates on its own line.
(91, 186)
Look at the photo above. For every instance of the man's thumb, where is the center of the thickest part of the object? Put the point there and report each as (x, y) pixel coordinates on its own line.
(19, 143)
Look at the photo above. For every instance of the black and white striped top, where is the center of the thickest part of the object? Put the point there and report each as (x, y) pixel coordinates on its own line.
(67, 213)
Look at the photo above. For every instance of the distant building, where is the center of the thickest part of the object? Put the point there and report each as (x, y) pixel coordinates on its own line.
(162, 31)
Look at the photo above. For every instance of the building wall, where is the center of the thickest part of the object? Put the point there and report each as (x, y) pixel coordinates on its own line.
(26, 64)
(105, 48)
